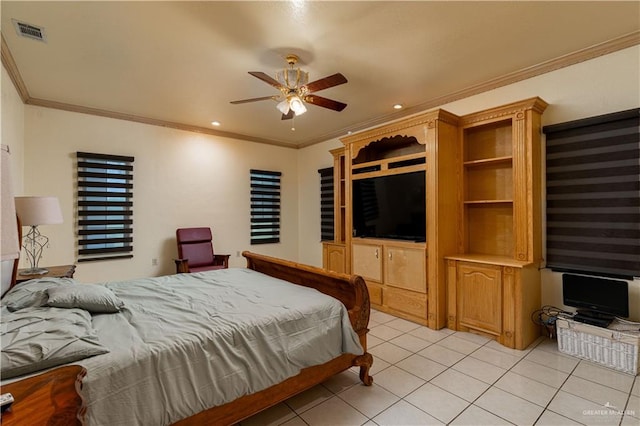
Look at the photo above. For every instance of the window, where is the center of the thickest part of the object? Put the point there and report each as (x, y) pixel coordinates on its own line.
(105, 206)
(593, 195)
(265, 207)
(326, 204)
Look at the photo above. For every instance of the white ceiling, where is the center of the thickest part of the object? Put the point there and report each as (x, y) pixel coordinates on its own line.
(181, 63)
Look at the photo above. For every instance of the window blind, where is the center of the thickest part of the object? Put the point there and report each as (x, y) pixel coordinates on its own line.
(265, 206)
(105, 206)
(326, 204)
(593, 195)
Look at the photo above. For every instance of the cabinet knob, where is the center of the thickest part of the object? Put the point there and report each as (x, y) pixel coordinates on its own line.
(377, 254)
(390, 256)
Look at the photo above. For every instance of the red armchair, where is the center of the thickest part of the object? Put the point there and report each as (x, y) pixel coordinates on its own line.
(195, 251)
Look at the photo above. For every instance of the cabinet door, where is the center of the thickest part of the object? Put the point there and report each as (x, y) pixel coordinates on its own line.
(335, 258)
(367, 261)
(405, 267)
(480, 297)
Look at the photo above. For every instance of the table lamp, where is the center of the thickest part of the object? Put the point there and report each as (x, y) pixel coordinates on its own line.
(35, 211)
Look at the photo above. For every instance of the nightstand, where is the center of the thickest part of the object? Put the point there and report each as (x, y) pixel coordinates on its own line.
(63, 271)
(50, 398)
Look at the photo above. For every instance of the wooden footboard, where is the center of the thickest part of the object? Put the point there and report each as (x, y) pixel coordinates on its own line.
(350, 290)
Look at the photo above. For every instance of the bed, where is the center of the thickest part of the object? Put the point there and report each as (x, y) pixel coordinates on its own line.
(206, 348)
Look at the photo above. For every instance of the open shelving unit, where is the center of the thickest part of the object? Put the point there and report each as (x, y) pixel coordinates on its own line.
(333, 252)
(488, 188)
(493, 282)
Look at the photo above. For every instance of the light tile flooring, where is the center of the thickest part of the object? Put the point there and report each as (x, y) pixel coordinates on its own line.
(427, 377)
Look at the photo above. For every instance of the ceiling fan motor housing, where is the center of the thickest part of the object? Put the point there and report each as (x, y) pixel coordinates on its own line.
(292, 78)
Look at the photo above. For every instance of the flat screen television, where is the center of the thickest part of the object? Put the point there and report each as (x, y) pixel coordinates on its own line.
(392, 206)
(595, 297)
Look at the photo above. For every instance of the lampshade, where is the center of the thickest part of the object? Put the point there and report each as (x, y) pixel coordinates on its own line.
(283, 107)
(34, 211)
(296, 104)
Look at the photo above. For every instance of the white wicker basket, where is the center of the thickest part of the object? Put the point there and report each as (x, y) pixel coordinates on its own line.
(611, 348)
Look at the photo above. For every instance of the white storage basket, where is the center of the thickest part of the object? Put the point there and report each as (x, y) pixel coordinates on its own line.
(611, 348)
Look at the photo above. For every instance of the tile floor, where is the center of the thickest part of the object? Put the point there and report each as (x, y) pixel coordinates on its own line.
(427, 377)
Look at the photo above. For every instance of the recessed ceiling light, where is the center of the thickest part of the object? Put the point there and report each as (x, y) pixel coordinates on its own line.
(397, 106)
(215, 123)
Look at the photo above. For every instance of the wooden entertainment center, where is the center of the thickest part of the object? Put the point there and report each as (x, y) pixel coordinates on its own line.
(478, 269)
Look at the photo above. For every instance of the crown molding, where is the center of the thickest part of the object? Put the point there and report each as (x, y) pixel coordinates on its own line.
(152, 121)
(12, 70)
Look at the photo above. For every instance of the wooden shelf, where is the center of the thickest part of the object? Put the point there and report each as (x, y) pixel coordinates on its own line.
(489, 161)
(488, 259)
(488, 141)
(472, 202)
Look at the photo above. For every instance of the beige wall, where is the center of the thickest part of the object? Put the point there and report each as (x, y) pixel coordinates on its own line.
(12, 127)
(181, 179)
(607, 84)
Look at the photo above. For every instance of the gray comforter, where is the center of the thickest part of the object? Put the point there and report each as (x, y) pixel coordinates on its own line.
(185, 343)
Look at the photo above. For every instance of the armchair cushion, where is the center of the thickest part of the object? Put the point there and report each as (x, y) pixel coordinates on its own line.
(198, 254)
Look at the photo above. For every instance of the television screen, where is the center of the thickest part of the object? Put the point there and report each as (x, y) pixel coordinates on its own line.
(596, 294)
(390, 207)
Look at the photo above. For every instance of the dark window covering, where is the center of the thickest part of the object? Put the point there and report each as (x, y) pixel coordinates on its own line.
(593, 195)
(265, 207)
(105, 206)
(326, 204)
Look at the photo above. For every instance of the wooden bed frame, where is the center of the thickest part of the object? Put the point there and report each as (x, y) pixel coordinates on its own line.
(350, 290)
(61, 386)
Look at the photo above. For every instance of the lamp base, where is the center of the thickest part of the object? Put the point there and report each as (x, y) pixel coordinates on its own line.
(34, 271)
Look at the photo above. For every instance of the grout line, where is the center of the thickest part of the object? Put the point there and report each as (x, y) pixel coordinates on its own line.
(546, 408)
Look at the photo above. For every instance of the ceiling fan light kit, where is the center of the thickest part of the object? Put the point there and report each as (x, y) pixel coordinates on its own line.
(295, 90)
(292, 103)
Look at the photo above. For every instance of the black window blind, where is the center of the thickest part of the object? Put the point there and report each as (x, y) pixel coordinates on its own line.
(326, 204)
(593, 195)
(265, 206)
(105, 206)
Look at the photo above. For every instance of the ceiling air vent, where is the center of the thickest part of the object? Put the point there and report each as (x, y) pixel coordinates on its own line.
(30, 31)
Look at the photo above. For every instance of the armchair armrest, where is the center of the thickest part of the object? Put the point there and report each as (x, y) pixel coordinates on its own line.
(182, 266)
(221, 259)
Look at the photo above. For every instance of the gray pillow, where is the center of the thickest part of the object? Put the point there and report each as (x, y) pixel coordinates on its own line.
(90, 297)
(34, 339)
(32, 293)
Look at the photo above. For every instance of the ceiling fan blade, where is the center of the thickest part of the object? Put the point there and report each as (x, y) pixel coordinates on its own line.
(324, 102)
(288, 116)
(264, 98)
(266, 78)
(325, 83)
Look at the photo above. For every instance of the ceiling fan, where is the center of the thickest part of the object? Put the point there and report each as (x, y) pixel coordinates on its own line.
(295, 90)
